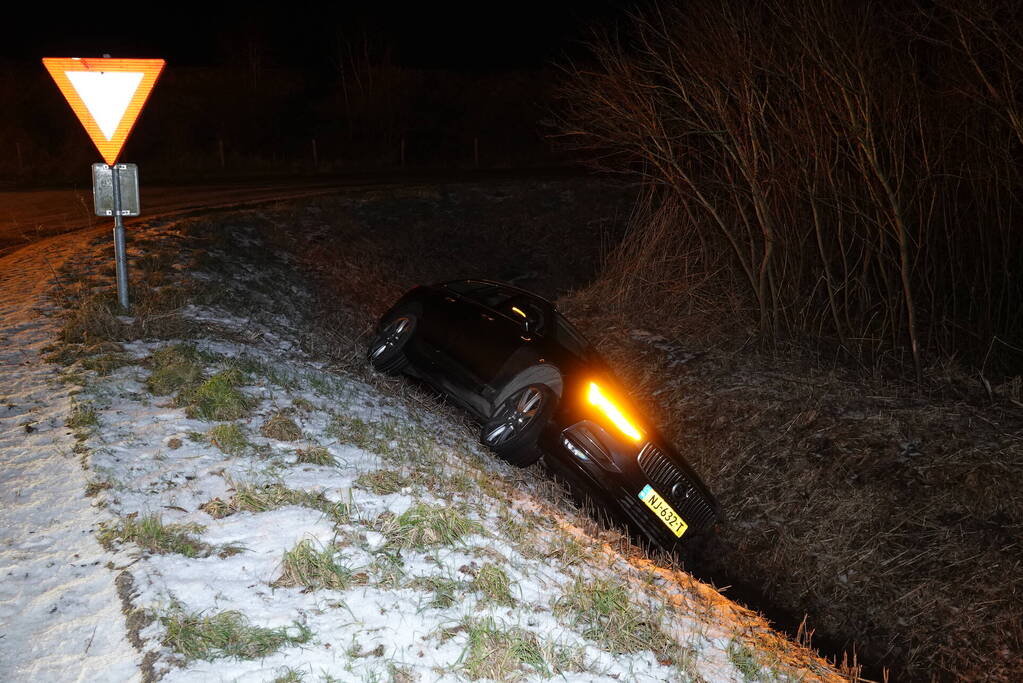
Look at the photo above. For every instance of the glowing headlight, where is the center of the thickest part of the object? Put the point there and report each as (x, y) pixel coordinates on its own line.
(597, 398)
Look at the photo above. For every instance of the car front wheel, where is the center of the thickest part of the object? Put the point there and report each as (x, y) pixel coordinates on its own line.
(387, 349)
(513, 429)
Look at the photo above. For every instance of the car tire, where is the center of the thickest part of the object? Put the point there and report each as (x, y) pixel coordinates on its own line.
(516, 424)
(386, 351)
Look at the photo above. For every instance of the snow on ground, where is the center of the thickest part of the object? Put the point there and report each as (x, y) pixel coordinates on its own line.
(60, 618)
(273, 519)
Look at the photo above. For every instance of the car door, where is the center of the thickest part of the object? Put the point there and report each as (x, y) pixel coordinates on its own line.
(504, 327)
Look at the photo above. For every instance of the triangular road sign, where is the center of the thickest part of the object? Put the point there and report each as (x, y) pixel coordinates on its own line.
(106, 95)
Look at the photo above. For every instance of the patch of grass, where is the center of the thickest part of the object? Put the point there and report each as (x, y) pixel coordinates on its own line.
(566, 549)
(280, 427)
(400, 674)
(94, 487)
(83, 416)
(375, 436)
(388, 566)
(273, 496)
(218, 398)
(744, 659)
(444, 590)
(217, 508)
(494, 583)
(602, 607)
(317, 455)
(303, 404)
(510, 654)
(462, 483)
(382, 482)
(66, 353)
(351, 430)
(106, 363)
(153, 535)
(93, 318)
(226, 634)
(425, 525)
(313, 569)
(174, 368)
(257, 368)
(229, 438)
(325, 385)
(289, 675)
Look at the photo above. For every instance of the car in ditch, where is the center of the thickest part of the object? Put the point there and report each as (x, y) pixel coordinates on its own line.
(538, 388)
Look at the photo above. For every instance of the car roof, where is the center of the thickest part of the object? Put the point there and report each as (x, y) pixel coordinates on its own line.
(504, 285)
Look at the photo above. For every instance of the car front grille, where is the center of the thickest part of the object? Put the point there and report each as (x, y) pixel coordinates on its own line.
(662, 471)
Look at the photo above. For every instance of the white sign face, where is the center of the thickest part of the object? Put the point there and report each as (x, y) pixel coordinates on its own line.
(106, 94)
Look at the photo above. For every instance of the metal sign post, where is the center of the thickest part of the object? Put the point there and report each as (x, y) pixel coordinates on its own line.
(120, 256)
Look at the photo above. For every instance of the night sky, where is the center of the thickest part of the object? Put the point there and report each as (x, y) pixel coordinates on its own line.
(479, 37)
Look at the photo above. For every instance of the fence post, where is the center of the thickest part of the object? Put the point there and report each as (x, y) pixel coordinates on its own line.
(403, 151)
(220, 152)
(316, 157)
(476, 151)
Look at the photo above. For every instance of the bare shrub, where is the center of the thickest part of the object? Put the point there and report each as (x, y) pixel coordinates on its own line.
(847, 169)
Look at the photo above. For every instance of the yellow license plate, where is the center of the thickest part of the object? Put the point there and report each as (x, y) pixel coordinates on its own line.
(664, 512)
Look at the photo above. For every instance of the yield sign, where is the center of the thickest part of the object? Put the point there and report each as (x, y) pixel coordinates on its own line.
(106, 95)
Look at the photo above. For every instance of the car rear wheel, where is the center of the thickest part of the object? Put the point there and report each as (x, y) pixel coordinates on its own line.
(387, 350)
(513, 429)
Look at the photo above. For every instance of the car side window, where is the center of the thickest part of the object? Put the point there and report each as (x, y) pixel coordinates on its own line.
(524, 309)
(492, 296)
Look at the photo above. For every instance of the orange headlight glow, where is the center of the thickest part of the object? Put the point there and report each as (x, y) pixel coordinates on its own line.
(597, 398)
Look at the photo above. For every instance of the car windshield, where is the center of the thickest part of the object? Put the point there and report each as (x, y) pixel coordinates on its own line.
(571, 338)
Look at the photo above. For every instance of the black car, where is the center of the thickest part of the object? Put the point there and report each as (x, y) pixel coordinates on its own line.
(539, 388)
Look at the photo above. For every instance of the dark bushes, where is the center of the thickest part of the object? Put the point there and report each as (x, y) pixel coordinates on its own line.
(844, 170)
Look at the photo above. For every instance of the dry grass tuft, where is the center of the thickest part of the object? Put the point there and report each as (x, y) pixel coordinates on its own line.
(499, 653)
(226, 634)
(153, 535)
(217, 508)
(603, 608)
(382, 482)
(94, 319)
(316, 455)
(174, 368)
(493, 582)
(305, 566)
(280, 427)
(229, 438)
(218, 398)
(273, 496)
(424, 525)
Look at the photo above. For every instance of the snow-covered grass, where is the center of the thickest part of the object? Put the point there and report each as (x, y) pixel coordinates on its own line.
(278, 519)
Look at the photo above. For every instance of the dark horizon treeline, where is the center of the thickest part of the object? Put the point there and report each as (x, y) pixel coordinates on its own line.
(245, 118)
(840, 171)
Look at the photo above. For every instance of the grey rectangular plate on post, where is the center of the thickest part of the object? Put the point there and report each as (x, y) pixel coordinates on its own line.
(103, 189)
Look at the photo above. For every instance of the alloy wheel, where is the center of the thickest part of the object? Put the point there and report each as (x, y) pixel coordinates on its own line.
(391, 337)
(515, 415)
